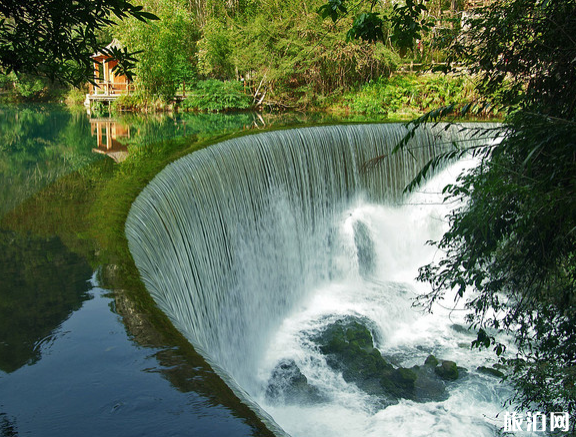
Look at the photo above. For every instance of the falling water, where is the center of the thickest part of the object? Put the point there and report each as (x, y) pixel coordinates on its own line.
(256, 244)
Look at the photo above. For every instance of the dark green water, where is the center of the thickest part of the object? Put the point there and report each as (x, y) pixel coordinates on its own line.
(76, 355)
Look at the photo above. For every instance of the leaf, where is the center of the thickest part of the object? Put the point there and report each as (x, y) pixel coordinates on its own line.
(368, 26)
(334, 9)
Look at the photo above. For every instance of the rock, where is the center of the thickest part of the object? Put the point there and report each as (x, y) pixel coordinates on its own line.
(400, 383)
(460, 329)
(420, 384)
(431, 361)
(289, 384)
(428, 387)
(349, 348)
(490, 371)
(342, 336)
(447, 370)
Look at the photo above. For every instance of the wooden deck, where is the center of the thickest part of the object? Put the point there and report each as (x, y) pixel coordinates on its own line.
(90, 98)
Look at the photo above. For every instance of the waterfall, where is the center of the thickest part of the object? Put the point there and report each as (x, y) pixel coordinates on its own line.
(232, 240)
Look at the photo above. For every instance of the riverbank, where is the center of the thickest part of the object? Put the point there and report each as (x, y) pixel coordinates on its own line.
(401, 97)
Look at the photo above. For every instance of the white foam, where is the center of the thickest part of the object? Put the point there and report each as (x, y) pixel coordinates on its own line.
(402, 333)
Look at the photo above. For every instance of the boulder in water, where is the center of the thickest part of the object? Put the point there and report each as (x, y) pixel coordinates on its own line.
(490, 371)
(447, 370)
(349, 348)
(431, 360)
(288, 384)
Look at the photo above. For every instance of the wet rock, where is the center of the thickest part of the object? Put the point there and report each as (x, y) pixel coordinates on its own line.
(490, 371)
(428, 387)
(400, 383)
(288, 384)
(447, 370)
(349, 348)
(431, 361)
(460, 329)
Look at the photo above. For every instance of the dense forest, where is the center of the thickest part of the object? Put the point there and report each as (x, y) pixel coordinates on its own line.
(277, 55)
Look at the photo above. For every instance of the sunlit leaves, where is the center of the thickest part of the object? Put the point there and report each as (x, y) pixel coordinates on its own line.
(165, 49)
(408, 21)
(56, 38)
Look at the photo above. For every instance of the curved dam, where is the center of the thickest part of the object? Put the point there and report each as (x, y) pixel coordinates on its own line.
(259, 247)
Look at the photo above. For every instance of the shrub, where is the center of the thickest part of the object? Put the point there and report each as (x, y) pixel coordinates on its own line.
(410, 94)
(215, 95)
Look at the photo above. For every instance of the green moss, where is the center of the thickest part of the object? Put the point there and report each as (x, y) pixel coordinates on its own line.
(431, 360)
(400, 382)
(447, 370)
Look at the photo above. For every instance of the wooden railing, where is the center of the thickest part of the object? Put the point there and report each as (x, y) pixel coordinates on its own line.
(110, 88)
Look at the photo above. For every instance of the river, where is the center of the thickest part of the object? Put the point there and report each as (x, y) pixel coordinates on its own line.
(78, 356)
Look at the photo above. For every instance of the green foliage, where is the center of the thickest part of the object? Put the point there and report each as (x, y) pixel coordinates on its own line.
(410, 94)
(214, 95)
(215, 51)
(165, 48)
(510, 252)
(288, 55)
(368, 26)
(56, 38)
(28, 88)
(138, 100)
(76, 96)
(408, 21)
(523, 52)
(333, 9)
(513, 243)
(513, 240)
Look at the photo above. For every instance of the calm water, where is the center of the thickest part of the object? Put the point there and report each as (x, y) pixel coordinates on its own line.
(76, 358)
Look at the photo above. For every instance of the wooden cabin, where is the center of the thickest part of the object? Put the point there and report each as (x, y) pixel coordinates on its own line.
(108, 85)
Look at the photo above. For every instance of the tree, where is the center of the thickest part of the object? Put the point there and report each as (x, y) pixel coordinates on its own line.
(166, 49)
(56, 38)
(407, 21)
(510, 251)
(287, 54)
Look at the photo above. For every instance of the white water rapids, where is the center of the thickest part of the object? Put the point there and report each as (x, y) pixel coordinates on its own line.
(254, 246)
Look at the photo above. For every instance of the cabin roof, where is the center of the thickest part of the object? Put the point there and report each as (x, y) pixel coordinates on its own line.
(115, 44)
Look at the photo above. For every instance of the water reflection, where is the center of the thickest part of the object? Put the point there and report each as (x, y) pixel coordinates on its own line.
(91, 373)
(39, 144)
(7, 426)
(41, 284)
(111, 137)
